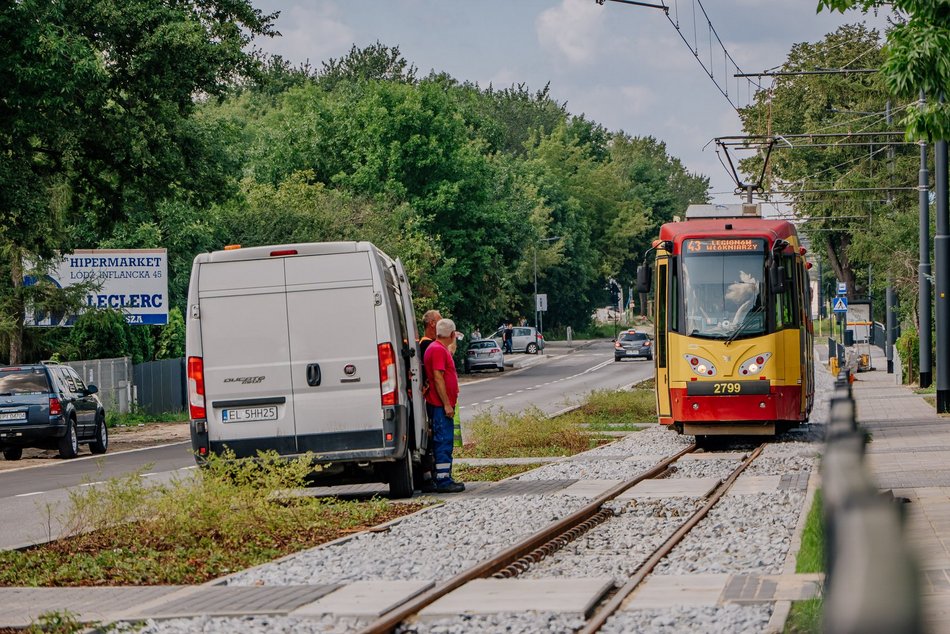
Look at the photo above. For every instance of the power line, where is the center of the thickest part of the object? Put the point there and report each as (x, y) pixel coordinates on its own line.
(718, 56)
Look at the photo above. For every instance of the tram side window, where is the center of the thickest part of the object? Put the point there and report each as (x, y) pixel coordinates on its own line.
(785, 301)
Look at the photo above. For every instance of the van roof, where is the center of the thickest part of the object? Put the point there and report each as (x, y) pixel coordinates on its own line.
(279, 250)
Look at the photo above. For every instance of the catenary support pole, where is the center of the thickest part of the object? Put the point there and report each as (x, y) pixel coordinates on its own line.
(923, 269)
(942, 277)
(890, 323)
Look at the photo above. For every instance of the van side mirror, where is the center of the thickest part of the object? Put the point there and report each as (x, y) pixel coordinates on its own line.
(91, 389)
(776, 277)
(644, 278)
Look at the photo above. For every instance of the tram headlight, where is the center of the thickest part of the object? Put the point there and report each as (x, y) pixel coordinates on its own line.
(700, 366)
(754, 365)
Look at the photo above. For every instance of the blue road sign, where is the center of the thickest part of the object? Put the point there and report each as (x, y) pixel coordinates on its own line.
(840, 305)
(842, 288)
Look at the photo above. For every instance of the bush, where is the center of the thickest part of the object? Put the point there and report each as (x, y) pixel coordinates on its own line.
(908, 346)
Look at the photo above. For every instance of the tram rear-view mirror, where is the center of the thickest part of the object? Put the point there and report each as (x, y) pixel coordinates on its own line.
(777, 277)
(644, 277)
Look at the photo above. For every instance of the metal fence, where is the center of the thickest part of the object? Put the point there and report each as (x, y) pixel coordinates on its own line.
(160, 386)
(113, 377)
(871, 580)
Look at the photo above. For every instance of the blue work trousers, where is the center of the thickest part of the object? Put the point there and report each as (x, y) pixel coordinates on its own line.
(442, 442)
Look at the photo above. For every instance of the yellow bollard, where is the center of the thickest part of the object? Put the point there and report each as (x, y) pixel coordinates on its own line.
(833, 365)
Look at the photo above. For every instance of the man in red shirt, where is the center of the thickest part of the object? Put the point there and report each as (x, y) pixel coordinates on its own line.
(441, 398)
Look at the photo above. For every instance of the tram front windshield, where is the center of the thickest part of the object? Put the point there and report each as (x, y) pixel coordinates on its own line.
(723, 288)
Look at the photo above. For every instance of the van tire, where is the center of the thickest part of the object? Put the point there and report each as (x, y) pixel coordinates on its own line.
(400, 478)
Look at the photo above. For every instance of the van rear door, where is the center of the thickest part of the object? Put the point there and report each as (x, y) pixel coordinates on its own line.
(246, 352)
(415, 362)
(331, 308)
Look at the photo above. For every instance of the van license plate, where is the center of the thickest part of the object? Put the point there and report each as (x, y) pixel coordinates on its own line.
(12, 415)
(247, 414)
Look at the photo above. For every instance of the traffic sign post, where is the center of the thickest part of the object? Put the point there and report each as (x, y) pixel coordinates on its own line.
(840, 305)
(842, 288)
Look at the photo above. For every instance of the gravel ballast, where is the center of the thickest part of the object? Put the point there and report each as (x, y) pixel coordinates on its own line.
(731, 618)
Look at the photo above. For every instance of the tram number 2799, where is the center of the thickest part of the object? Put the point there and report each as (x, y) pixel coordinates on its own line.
(726, 388)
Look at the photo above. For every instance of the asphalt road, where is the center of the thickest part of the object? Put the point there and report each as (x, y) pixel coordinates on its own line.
(32, 498)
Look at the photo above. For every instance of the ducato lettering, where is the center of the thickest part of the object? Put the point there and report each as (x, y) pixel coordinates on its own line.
(143, 300)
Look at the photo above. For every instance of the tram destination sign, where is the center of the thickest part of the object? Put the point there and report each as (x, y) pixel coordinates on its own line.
(720, 245)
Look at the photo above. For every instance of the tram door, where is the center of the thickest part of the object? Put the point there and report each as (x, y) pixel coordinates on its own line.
(662, 285)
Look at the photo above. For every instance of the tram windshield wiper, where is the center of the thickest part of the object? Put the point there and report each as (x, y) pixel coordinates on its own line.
(745, 322)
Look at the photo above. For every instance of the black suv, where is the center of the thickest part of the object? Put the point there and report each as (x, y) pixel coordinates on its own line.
(49, 406)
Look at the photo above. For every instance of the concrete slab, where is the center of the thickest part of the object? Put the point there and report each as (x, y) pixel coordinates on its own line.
(238, 600)
(22, 606)
(364, 598)
(671, 487)
(668, 591)
(768, 588)
(491, 596)
(589, 488)
(750, 485)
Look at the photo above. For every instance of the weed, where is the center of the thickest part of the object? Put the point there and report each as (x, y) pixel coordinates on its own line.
(489, 473)
(604, 409)
(530, 433)
(138, 417)
(811, 556)
(57, 622)
(225, 517)
(805, 617)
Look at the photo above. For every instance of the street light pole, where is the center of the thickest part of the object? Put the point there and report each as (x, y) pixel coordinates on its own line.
(537, 313)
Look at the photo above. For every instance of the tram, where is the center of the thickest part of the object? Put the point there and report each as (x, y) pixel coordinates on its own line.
(734, 334)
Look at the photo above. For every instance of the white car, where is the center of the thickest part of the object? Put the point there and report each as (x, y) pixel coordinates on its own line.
(484, 354)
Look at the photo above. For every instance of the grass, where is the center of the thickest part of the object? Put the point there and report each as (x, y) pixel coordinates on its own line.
(489, 473)
(805, 616)
(613, 411)
(136, 418)
(532, 433)
(228, 517)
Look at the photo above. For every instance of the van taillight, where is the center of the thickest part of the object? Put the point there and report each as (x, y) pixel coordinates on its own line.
(282, 252)
(387, 373)
(196, 387)
(55, 407)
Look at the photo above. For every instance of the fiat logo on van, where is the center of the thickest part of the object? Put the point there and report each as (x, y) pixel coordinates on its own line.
(349, 369)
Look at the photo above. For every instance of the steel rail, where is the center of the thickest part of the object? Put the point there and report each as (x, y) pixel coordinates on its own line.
(601, 616)
(388, 621)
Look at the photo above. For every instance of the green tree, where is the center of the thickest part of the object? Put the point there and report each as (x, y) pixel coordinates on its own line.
(95, 122)
(916, 58)
(100, 334)
(846, 227)
(171, 340)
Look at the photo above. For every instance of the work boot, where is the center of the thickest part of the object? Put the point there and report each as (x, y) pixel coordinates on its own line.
(453, 487)
(428, 486)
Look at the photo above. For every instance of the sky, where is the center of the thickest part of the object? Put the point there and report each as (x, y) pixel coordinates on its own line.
(625, 67)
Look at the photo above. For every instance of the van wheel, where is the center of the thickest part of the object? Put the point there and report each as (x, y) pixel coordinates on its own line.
(532, 348)
(101, 443)
(400, 478)
(13, 453)
(69, 443)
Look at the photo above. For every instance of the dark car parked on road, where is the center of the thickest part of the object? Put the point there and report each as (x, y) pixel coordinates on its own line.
(632, 345)
(48, 406)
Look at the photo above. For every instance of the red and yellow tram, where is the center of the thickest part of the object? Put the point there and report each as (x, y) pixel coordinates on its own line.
(734, 335)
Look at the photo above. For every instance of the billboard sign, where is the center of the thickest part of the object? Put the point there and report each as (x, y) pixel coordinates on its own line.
(134, 281)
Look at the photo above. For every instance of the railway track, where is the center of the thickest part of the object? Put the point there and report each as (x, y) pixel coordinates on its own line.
(541, 544)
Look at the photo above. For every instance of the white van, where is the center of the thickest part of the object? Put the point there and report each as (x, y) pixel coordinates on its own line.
(307, 348)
